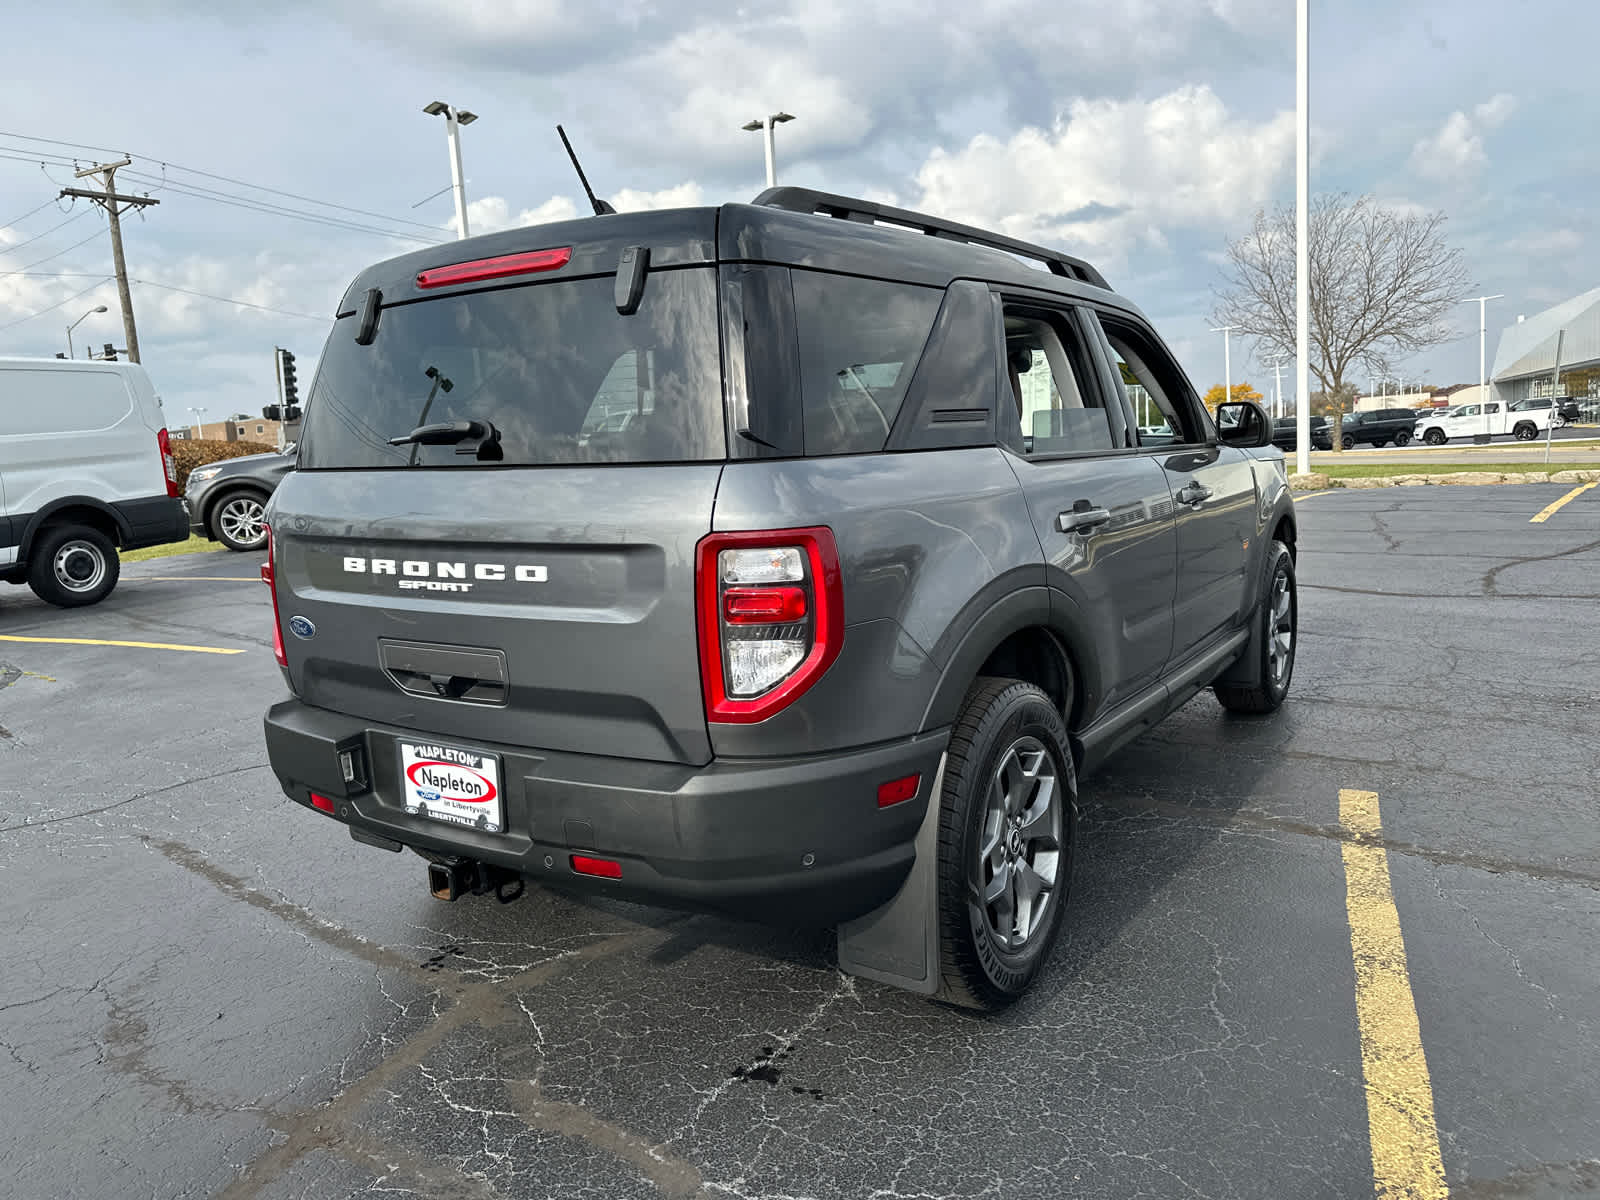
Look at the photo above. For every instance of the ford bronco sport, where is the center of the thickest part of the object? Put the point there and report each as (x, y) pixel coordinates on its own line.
(791, 559)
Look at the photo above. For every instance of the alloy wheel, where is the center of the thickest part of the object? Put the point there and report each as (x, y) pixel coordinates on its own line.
(1019, 851)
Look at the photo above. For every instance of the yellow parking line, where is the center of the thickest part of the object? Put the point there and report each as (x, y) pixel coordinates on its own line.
(1550, 510)
(1312, 495)
(1400, 1122)
(9, 637)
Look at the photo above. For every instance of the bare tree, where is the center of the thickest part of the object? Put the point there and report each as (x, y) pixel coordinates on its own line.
(1382, 283)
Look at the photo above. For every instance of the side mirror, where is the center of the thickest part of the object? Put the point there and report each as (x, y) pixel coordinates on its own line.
(1243, 423)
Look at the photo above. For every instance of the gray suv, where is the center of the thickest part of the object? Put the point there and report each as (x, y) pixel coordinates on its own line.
(226, 499)
(791, 560)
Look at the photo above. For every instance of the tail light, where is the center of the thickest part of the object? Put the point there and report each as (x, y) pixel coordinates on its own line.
(771, 615)
(167, 464)
(269, 578)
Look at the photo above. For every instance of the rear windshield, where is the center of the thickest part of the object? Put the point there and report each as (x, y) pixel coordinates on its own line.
(561, 375)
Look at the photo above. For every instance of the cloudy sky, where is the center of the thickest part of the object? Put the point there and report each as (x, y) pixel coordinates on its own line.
(1142, 135)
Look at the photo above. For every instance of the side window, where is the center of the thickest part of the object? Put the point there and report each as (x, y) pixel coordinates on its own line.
(1058, 406)
(859, 340)
(1155, 387)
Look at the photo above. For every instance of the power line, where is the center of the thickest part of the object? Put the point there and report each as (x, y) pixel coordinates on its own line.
(26, 215)
(12, 324)
(284, 312)
(48, 257)
(221, 178)
(75, 217)
(250, 203)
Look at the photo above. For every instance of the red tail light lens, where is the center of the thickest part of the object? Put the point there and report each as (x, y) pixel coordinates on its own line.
(495, 268)
(898, 791)
(269, 577)
(320, 801)
(771, 617)
(167, 464)
(760, 606)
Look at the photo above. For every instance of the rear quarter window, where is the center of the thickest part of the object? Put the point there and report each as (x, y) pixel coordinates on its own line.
(48, 401)
(859, 340)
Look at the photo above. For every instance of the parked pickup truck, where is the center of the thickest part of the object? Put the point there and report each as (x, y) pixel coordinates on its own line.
(1470, 419)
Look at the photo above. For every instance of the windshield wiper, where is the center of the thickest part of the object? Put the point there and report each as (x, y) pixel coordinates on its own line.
(451, 433)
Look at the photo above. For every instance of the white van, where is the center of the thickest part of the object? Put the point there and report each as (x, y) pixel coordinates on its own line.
(85, 467)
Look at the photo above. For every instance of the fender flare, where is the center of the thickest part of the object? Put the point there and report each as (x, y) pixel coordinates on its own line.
(1033, 606)
(61, 503)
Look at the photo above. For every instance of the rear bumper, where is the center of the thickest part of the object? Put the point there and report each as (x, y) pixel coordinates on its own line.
(153, 521)
(731, 836)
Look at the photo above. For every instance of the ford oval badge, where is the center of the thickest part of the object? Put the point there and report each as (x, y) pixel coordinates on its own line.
(302, 627)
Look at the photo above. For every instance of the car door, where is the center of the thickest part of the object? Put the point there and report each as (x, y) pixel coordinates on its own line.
(1213, 491)
(1099, 504)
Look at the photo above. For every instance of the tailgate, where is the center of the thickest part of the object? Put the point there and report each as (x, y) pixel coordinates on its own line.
(551, 607)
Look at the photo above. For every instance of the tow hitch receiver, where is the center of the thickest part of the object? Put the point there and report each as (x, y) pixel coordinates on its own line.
(458, 877)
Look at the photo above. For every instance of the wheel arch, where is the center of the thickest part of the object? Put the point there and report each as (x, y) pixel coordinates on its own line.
(75, 510)
(1022, 636)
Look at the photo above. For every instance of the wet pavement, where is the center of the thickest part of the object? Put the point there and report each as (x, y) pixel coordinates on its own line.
(211, 991)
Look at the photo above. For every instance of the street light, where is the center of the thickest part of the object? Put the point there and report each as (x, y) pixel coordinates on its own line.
(1483, 382)
(1227, 362)
(99, 308)
(777, 118)
(1277, 383)
(200, 422)
(454, 118)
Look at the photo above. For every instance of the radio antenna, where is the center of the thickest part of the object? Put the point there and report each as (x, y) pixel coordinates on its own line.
(601, 208)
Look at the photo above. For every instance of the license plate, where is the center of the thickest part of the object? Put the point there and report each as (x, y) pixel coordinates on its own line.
(452, 784)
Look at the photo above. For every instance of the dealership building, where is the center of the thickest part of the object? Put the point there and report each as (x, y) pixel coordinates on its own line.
(1526, 356)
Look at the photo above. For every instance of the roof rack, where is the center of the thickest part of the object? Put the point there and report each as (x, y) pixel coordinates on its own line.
(867, 212)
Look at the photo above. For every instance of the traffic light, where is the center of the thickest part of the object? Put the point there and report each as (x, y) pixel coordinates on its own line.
(290, 394)
(109, 354)
(273, 412)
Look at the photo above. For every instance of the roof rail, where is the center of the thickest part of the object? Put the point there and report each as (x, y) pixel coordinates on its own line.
(805, 200)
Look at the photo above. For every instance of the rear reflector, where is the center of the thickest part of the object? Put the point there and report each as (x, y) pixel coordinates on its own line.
(495, 268)
(603, 867)
(322, 802)
(898, 791)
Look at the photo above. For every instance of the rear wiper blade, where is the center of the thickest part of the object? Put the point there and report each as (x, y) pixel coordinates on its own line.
(452, 433)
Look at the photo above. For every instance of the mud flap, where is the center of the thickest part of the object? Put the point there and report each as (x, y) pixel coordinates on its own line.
(898, 942)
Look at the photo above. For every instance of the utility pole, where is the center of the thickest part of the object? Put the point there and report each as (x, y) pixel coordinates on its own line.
(110, 201)
(1302, 238)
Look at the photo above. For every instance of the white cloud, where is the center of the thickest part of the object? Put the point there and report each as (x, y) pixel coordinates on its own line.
(491, 214)
(684, 195)
(1456, 152)
(1548, 243)
(1111, 171)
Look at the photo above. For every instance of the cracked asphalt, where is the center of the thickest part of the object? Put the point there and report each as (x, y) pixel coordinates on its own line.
(208, 991)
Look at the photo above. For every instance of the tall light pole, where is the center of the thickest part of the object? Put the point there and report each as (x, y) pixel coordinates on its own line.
(1277, 385)
(1302, 241)
(99, 308)
(777, 118)
(200, 422)
(1227, 361)
(1483, 378)
(454, 118)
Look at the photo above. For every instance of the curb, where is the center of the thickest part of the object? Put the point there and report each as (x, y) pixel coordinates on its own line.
(1316, 481)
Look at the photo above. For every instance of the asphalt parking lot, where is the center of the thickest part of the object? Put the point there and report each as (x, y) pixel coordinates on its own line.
(210, 991)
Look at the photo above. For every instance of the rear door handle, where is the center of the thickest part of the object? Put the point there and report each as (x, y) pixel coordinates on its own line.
(1193, 495)
(1081, 520)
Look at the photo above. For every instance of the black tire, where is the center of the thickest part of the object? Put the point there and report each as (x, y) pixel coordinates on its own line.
(1008, 724)
(1348, 442)
(235, 520)
(1402, 438)
(71, 566)
(1524, 432)
(1435, 437)
(1270, 684)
